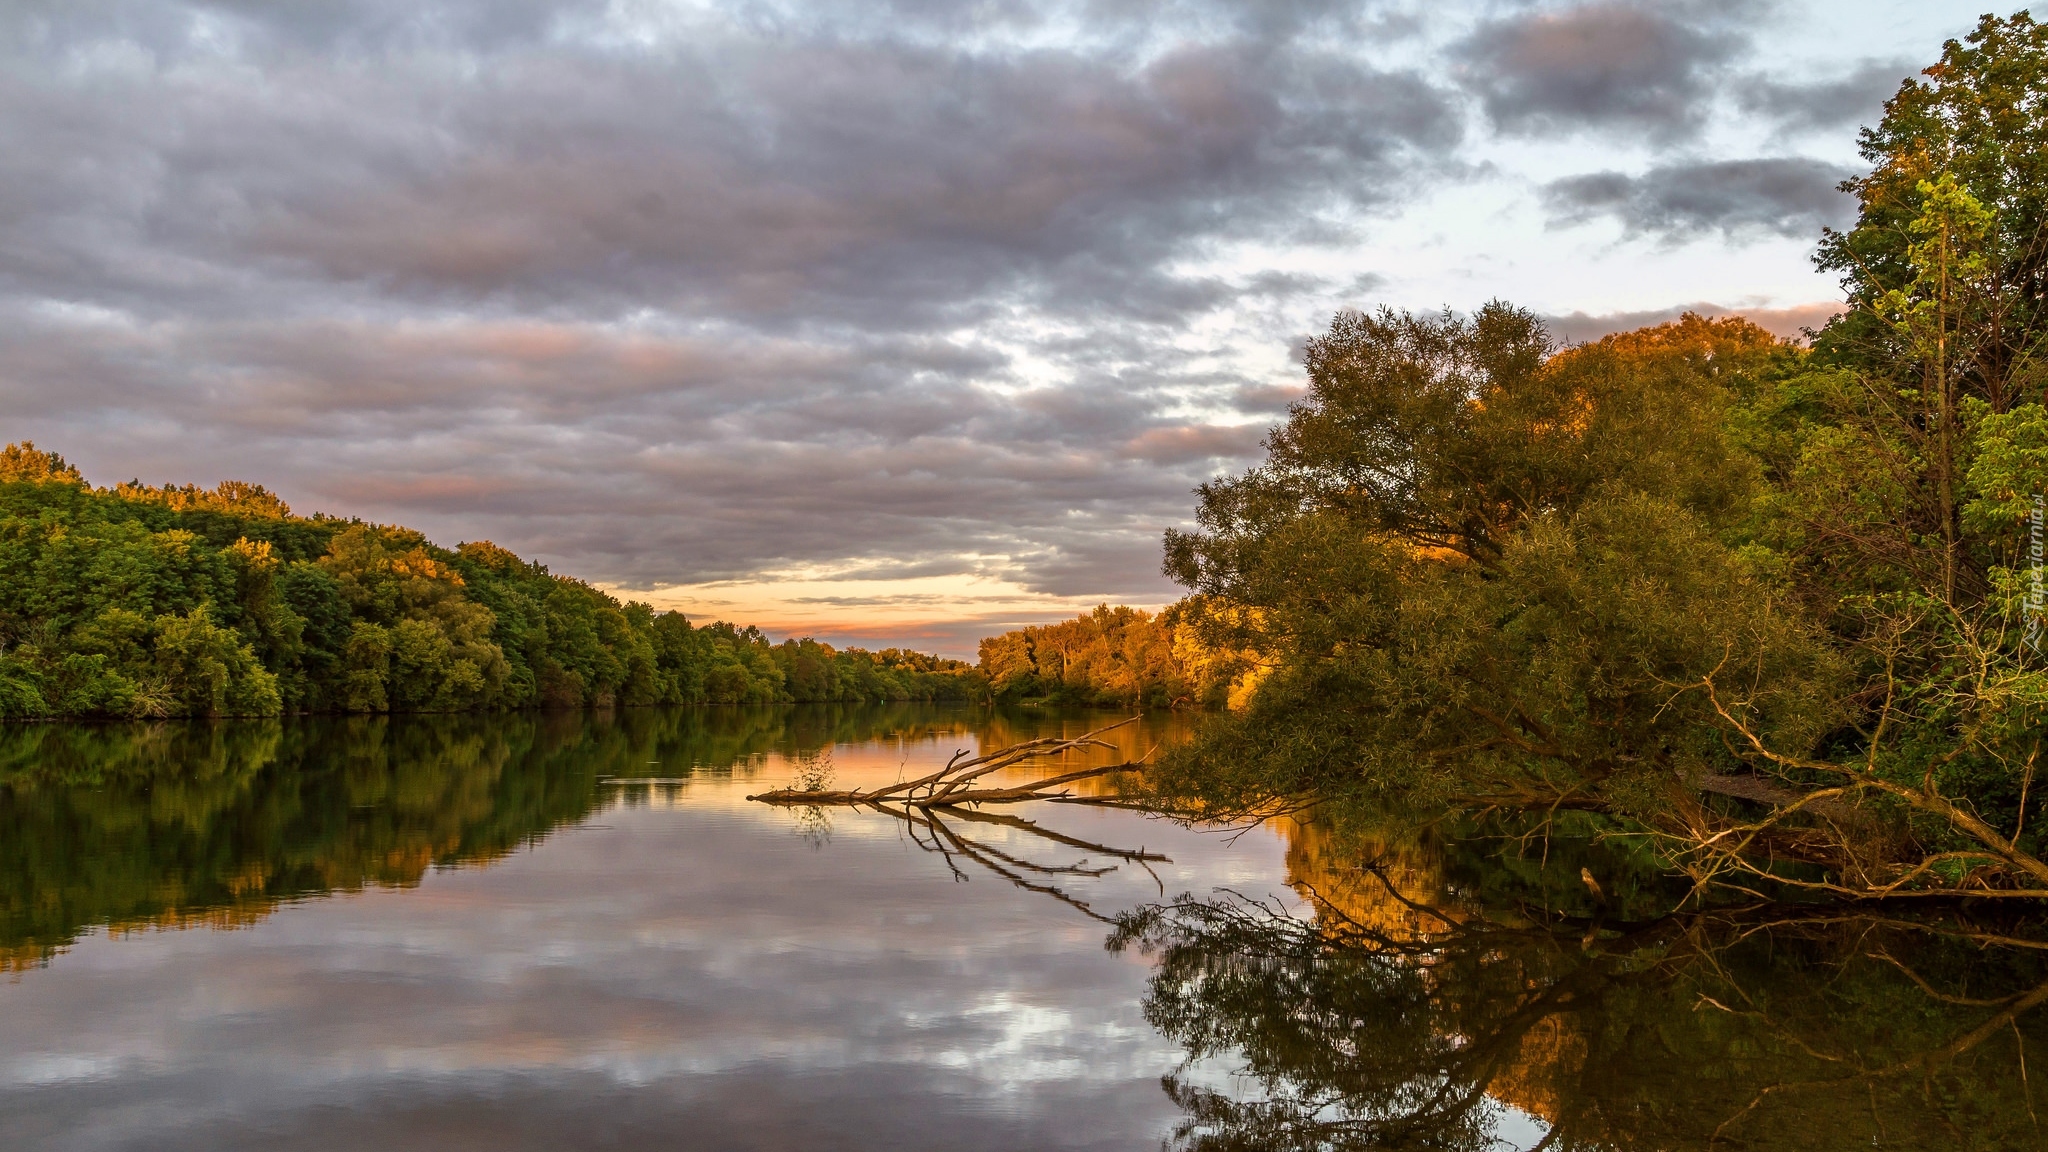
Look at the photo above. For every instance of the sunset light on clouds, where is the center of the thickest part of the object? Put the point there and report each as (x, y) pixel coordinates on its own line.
(887, 323)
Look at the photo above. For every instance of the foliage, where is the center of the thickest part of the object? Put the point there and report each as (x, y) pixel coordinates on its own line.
(1476, 569)
(1111, 656)
(138, 601)
(1974, 124)
(814, 671)
(1774, 608)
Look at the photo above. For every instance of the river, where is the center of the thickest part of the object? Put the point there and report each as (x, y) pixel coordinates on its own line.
(575, 931)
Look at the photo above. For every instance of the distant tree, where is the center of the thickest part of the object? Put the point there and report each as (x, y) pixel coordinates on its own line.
(1119, 656)
(24, 462)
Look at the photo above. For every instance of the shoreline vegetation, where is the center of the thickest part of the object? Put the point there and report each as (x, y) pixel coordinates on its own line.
(1761, 617)
(142, 602)
(145, 602)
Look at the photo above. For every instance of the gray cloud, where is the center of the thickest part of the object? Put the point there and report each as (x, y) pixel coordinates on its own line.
(1786, 196)
(682, 459)
(883, 181)
(1619, 65)
(1790, 323)
(1855, 98)
(1272, 399)
(682, 310)
(667, 294)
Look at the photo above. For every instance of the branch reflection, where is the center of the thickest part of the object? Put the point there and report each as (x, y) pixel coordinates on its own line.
(1381, 1019)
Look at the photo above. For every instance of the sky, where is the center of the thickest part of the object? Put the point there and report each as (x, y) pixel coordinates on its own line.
(885, 322)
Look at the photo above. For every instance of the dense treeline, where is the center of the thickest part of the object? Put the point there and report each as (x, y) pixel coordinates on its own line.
(1111, 656)
(1118, 657)
(1774, 610)
(175, 601)
(814, 672)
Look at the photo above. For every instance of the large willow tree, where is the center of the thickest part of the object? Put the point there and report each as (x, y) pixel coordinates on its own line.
(1765, 606)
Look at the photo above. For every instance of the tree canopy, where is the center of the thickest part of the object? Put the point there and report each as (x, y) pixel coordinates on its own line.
(1762, 604)
(138, 601)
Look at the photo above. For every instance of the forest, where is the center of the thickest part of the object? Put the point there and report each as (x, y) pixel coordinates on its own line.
(138, 601)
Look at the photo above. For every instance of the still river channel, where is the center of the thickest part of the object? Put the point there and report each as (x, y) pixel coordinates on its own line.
(574, 931)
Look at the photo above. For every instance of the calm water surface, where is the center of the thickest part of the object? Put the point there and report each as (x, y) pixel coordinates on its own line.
(573, 931)
(501, 933)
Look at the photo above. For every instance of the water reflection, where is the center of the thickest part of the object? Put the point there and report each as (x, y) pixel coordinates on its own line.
(649, 959)
(156, 825)
(1397, 1016)
(662, 964)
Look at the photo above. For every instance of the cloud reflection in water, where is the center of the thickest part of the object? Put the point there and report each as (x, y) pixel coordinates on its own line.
(679, 967)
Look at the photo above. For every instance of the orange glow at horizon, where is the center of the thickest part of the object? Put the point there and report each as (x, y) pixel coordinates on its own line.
(888, 612)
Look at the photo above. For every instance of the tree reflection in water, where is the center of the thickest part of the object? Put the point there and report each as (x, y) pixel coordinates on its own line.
(1385, 1020)
(134, 826)
(1417, 999)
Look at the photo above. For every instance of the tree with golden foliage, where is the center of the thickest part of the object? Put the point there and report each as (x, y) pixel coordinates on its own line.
(1110, 656)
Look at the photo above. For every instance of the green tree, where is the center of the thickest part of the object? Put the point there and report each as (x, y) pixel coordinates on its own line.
(1110, 656)
(1478, 570)
(206, 670)
(140, 600)
(1979, 120)
(1766, 607)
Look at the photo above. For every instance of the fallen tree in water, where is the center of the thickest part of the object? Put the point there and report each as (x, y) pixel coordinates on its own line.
(955, 784)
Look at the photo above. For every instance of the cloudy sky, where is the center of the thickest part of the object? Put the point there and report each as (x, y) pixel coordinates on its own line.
(886, 322)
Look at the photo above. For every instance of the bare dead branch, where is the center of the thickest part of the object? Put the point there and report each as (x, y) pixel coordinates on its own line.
(953, 785)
